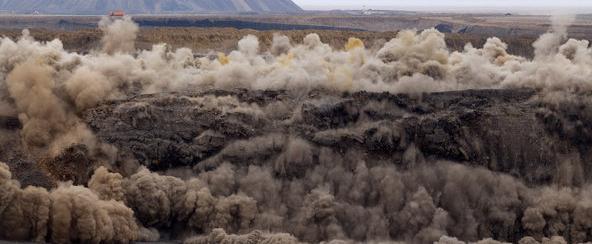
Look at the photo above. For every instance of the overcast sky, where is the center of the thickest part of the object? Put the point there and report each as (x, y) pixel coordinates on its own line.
(501, 5)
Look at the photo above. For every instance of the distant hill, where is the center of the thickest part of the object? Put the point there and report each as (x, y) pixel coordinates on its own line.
(101, 7)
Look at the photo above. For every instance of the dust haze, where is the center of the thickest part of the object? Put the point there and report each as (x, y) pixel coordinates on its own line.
(282, 123)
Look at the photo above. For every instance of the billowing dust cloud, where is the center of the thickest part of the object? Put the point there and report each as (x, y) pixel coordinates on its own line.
(281, 187)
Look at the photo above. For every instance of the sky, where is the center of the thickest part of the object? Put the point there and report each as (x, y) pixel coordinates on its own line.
(544, 6)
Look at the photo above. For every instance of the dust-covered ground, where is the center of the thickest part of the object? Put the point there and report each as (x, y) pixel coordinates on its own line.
(204, 33)
(296, 140)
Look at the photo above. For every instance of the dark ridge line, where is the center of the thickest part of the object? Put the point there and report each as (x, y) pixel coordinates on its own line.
(238, 24)
(209, 23)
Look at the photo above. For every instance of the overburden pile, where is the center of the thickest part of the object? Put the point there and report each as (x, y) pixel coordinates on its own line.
(407, 143)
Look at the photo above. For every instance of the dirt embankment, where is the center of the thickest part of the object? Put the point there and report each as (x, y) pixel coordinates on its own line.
(205, 40)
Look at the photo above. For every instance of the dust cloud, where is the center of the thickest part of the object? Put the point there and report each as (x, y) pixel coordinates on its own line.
(308, 193)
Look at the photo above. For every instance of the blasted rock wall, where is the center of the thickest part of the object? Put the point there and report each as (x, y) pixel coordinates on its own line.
(509, 131)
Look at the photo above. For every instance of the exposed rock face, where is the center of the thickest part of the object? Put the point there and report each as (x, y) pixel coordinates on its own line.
(25, 169)
(146, 6)
(508, 131)
(73, 164)
(504, 130)
(323, 166)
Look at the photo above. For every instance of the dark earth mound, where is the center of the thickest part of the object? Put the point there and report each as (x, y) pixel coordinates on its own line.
(507, 131)
(305, 140)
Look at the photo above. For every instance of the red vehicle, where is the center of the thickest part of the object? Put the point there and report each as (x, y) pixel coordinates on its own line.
(117, 13)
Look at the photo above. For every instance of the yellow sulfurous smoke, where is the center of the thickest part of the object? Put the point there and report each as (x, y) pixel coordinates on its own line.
(286, 59)
(354, 43)
(223, 59)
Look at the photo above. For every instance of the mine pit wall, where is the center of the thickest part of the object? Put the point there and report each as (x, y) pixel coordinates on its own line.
(453, 153)
(503, 130)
